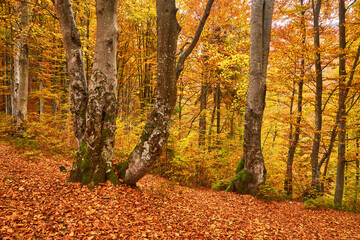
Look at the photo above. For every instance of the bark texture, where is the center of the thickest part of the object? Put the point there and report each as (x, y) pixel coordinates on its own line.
(75, 66)
(251, 172)
(21, 66)
(95, 165)
(93, 107)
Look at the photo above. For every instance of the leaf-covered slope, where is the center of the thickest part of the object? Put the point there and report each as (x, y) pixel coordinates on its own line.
(36, 201)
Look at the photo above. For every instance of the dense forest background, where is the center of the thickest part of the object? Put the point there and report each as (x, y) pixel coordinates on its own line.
(308, 82)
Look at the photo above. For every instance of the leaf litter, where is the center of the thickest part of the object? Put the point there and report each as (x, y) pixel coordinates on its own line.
(37, 202)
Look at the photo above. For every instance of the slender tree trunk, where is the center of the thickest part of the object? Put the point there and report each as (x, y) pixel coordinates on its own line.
(202, 118)
(21, 67)
(6, 83)
(288, 184)
(357, 163)
(339, 189)
(251, 172)
(212, 119)
(357, 171)
(218, 114)
(318, 99)
(41, 101)
(231, 133)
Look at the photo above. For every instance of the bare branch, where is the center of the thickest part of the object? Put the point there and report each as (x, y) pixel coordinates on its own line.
(194, 41)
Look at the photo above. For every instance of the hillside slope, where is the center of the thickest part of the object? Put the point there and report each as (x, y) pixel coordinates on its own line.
(36, 201)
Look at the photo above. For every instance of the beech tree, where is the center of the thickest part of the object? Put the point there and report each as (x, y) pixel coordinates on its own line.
(21, 65)
(251, 172)
(94, 106)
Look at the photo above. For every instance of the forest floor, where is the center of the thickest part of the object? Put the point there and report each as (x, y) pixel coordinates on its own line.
(37, 202)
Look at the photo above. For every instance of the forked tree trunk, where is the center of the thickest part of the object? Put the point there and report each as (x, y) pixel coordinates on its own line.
(94, 108)
(156, 131)
(96, 162)
(251, 172)
(21, 66)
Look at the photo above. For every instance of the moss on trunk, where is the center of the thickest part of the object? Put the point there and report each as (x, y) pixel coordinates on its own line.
(241, 179)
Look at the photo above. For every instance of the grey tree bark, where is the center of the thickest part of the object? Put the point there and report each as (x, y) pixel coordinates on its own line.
(156, 131)
(75, 66)
(21, 66)
(251, 172)
(96, 162)
(94, 107)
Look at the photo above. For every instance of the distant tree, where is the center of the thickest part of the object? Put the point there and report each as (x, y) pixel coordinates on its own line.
(294, 136)
(251, 172)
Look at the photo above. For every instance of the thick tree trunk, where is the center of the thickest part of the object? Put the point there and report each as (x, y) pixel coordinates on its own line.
(318, 99)
(95, 165)
(340, 173)
(21, 67)
(295, 139)
(94, 112)
(251, 172)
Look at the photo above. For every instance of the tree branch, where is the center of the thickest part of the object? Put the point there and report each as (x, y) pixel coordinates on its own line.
(194, 41)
